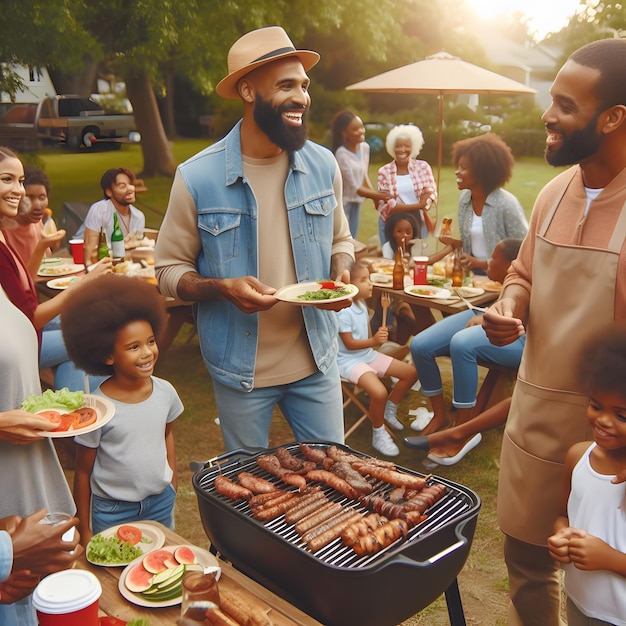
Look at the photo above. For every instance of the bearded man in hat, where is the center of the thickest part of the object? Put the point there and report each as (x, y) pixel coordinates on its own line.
(254, 212)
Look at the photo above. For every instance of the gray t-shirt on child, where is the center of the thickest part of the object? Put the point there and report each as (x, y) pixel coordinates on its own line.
(131, 460)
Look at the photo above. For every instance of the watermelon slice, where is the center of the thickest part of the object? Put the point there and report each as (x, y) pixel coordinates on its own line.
(185, 555)
(158, 560)
(138, 579)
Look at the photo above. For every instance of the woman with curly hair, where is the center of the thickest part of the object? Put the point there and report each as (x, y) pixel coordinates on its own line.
(408, 180)
(487, 213)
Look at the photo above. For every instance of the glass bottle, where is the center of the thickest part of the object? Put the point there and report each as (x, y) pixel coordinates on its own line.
(458, 273)
(398, 270)
(103, 248)
(117, 240)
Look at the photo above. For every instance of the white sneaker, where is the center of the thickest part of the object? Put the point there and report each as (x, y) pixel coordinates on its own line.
(423, 417)
(382, 441)
(394, 422)
(417, 386)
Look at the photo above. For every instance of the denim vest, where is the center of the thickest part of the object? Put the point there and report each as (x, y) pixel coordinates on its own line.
(227, 225)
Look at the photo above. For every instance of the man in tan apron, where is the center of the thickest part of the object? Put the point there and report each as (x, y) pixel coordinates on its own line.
(568, 280)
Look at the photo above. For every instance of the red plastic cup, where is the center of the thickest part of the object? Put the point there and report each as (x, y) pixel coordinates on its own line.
(420, 269)
(68, 598)
(77, 247)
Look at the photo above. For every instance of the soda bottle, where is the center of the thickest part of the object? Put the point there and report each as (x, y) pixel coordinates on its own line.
(103, 248)
(398, 270)
(117, 240)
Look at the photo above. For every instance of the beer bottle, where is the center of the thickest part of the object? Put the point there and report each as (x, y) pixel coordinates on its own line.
(103, 248)
(117, 240)
(398, 270)
(458, 273)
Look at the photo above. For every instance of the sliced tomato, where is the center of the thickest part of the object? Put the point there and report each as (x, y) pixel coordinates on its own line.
(328, 284)
(87, 416)
(68, 422)
(52, 416)
(111, 621)
(130, 534)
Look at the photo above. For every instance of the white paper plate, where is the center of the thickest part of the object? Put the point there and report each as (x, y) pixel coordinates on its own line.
(60, 270)
(62, 283)
(148, 531)
(105, 409)
(427, 291)
(469, 292)
(380, 279)
(291, 293)
(203, 557)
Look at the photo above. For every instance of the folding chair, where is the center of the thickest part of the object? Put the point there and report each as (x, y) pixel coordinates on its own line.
(351, 396)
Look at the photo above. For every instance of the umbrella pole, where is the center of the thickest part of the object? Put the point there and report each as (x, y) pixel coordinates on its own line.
(440, 151)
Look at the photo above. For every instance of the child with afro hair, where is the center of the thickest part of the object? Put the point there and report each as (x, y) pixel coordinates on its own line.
(126, 470)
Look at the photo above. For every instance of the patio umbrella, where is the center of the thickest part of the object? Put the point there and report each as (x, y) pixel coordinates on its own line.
(440, 74)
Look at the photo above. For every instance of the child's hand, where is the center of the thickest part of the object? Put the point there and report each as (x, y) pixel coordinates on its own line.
(382, 334)
(588, 552)
(558, 545)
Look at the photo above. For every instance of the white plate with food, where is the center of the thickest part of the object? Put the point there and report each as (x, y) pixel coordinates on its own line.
(315, 293)
(53, 260)
(62, 283)
(469, 292)
(81, 420)
(491, 285)
(427, 291)
(381, 279)
(59, 270)
(122, 544)
(434, 280)
(155, 579)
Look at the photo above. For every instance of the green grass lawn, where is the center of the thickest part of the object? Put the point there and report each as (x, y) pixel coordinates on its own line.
(75, 177)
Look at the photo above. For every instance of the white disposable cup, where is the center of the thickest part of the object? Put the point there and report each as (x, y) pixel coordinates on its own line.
(55, 518)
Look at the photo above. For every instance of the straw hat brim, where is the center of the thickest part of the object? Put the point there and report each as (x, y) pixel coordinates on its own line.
(227, 87)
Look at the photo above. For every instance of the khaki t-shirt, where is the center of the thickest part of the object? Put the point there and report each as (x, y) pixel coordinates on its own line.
(283, 353)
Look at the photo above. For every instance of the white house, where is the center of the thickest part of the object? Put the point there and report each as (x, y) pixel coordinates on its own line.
(37, 85)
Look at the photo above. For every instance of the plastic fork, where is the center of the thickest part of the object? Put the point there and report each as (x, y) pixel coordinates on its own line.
(385, 300)
(467, 303)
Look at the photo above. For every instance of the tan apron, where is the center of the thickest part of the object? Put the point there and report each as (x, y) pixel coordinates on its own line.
(572, 296)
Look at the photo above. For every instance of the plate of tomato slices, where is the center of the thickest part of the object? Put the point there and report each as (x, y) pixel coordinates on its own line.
(94, 414)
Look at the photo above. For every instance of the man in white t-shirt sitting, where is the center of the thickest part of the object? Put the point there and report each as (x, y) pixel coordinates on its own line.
(118, 185)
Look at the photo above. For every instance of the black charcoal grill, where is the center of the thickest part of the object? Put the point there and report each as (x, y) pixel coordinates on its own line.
(334, 585)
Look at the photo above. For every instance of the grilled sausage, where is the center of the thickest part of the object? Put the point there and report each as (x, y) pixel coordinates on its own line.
(255, 484)
(399, 479)
(288, 460)
(271, 464)
(309, 504)
(337, 454)
(264, 498)
(239, 610)
(269, 512)
(320, 515)
(231, 490)
(317, 455)
(332, 480)
(327, 525)
(321, 541)
(351, 476)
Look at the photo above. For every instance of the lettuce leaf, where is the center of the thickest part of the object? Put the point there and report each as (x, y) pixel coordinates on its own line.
(49, 399)
(111, 550)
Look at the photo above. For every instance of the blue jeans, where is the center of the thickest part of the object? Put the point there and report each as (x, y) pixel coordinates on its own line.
(464, 346)
(313, 407)
(353, 212)
(157, 508)
(54, 354)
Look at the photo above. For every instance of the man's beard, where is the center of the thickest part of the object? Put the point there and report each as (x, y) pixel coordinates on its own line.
(270, 121)
(577, 145)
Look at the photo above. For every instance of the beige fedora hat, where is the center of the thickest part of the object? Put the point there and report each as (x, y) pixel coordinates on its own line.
(257, 48)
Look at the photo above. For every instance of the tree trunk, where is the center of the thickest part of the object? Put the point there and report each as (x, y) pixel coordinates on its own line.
(158, 158)
(168, 101)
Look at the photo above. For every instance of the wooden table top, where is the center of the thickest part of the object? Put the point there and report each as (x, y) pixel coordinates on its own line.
(448, 306)
(112, 603)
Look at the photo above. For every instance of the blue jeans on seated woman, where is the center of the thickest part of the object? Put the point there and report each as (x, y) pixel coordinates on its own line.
(157, 508)
(465, 347)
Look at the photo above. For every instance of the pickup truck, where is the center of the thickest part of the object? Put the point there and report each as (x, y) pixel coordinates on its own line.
(69, 120)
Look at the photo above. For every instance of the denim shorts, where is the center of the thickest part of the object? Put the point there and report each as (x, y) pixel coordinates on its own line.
(157, 508)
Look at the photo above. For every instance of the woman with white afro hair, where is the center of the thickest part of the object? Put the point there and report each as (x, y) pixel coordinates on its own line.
(409, 181)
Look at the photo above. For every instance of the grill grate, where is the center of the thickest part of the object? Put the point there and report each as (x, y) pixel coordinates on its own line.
(449, 508)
